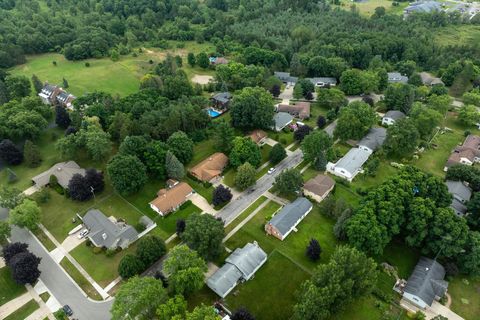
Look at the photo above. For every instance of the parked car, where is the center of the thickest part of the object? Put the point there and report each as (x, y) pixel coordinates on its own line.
(68, 311)
(83, 233)
(271, 170)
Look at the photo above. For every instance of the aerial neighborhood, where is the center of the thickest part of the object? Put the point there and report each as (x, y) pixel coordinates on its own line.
(239, 160)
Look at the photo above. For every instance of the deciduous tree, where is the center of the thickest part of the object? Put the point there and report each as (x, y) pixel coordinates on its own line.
(302, 132)
(149, 249)
(26, 215)
(31, 154)
(402, 138)
(313, 250)
(10, 153)
(62, 118)
(221, 195)
(289, 181)
(223, 136)
(277, 154)
(245, 150)
(12, 249)
(204, 234)
(10, 197)
(252, 108)
(127, 173)
(24, 266)
(4, 231)
(245, 176)
(315, 145)
(173, 308)
(181, 146)
(130, 265)
(354, 121)
(399, 96)
(331, 98)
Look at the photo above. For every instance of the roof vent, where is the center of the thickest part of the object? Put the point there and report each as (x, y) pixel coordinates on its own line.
(104, 236)
(59, 168)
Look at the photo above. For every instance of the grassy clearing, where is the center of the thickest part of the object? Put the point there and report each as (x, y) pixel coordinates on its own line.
(24, 311)
(269, 287)
(9, 289)
(367, 8)
(80, 279)
(457, 34)
(45, 240)
(465, 292)
(245, 214)
(45, 296)
(201, 151)
(166, 226)
(116, 206)
(100, 267)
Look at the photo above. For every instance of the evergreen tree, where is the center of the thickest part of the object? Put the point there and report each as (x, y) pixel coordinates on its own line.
(191, 59)
(62, 119)
(3, 93)
(37, 84)
(31, 154)
(175, 169)
(10, 153)
(313, 250)
(65, 83)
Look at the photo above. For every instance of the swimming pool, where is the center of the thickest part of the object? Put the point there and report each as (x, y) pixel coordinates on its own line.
(212, 113)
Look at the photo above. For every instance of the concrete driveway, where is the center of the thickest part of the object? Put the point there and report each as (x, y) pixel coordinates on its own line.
(202, 203)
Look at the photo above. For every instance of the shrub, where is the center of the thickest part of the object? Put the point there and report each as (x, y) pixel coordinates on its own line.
(87, 64)
(110, 252)
(97, 250)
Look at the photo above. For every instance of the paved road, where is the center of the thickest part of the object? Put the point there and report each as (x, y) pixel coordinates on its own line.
(235, 208)
(60, 284)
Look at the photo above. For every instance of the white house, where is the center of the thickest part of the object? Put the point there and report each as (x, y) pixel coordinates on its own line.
(391, 116)
(350, 165)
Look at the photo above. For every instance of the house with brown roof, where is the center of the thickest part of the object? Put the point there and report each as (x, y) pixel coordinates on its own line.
(258, 136)
(170, 199)
(468, 153)
(300, 110)
(318, 188)
(211, 168)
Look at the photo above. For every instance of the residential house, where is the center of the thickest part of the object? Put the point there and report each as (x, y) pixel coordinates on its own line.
(170, 199)
(422, 7)
(391, 116)
(285, 77)
(373, 140)
(322, 82)
(429, 80)
(108, 232)
(350, 164)
(259, 137)
(221, 100)
(426, 283)
(218, 60)
(63, 171)
(318, 188)
(211, 168)
(288, 218)
(461, 194)
(396, 77)
(240, 266)
(49, 93)
(65, 99)
(281, 120)
(300, 110)
(468, 153)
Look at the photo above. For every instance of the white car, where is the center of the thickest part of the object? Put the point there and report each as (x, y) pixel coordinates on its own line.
(271, 170)
(83, 233)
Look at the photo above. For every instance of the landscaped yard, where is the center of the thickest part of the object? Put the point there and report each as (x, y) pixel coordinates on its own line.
(80, 279)
(271, 294)
(100, 267)
(245, 214)
(465, 292)
(9, 289)
(285, 138)
(24, 311)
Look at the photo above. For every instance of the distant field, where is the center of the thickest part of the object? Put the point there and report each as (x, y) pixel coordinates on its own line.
(121, 77)
(367, 7)
(458, 35)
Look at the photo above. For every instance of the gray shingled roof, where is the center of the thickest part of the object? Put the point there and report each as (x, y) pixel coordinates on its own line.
(353, 160)
(285, 76)
(427, 280)
(424, 6)
(394, 114)
(222, 97)
(282, 119)
(104, 232)
(374, 138)
(396, 77)
(241, 264)
(284, 220)
(325, 80)
(64, 171)
(461, 194)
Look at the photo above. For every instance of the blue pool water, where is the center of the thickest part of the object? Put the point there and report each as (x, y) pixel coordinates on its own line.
(212, 113)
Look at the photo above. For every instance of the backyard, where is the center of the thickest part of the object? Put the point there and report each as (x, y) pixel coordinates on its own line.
(9, 289)
(465, 293)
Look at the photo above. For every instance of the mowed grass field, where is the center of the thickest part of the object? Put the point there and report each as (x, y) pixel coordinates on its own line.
(115, 77)
(367, 7)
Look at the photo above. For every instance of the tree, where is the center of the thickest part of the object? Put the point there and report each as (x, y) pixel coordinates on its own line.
(277, 154)
(62, 119)
(65, 82)
(26, 215)
(289, 181)
(245, 150)
(321, 122)
(138, 298)
(399, 96)
(473, 208)
(31, 154)
(439, 103)
(202, 312)
(37, 84)
(155, 158)
(3, 93)
(97, 142)
(175, 169)
(348, 275)
(472, 97)
(95, 180)
(221, 195)
(191, 59)
(130, 265)
(301, 132)
(313, 250)
(10, 250)
(275, 90)
(10, 153)
(245, 176)
(202, 60)
(469, 115)
(174, 308)
(79, 188)
(316, 145)
(415, 80)
(469, 261)
(127, 173)
(4, 231)
(181, 146)
(297, 92)
(204, 234)
(149, 249)
(223, 135)
(17, 86)
(354, 121)
(184, 269)
(67, 146)
(354, 81)
(24, 266)
(402, 137)
(306, 86)
(242, 314)
(426, 119)
(331, 98)
(10, 197)
(180, 226)
(252, 108)
(134, 145)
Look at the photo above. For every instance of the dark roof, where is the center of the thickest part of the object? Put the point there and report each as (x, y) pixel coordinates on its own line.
(427, 280)
(284, 220)
(223, 97)
(281, 120)
(323, 80)
(394, 114)
(64, 171)
(374, 138)
(285, 76)
(397, 77)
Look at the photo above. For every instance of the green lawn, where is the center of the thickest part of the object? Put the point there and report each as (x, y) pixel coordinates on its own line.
(367, 8)
(457, 34)
(116, 206)
(229, 177)
(201, 151)
(285, 138)
(100, 267)
(384, 171)
(166, 226)
(45, 296)
(465, 292)
(45, 240)
(80, 279)
(24, 311)
(245, 214)
(9, 289)
(270, 295)
(207, 193)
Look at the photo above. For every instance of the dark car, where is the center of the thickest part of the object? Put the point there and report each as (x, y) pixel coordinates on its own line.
(68, 311)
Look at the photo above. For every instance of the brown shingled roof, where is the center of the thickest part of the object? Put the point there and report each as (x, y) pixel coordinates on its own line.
(300, 109)
(169, 199)
(257, 135)
(319, 185)
(210, 167)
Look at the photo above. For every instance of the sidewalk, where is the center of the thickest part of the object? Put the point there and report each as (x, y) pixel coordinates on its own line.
(275, 198)
(241, 224)
(13, 305)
